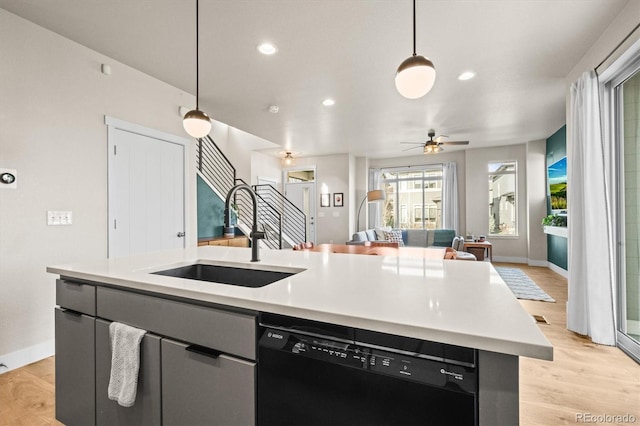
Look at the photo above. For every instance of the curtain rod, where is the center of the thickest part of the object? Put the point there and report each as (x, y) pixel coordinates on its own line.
(406, 167)
(624, 40)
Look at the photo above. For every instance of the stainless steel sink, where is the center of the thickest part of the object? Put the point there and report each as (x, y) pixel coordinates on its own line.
(239, 275)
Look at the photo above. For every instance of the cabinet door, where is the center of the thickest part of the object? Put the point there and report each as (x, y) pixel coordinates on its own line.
(75, 368)
(199, 389)
(146, 410)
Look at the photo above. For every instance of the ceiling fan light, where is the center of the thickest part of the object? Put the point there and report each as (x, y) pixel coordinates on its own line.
(415, 77)
(432, 148)
(196, 123)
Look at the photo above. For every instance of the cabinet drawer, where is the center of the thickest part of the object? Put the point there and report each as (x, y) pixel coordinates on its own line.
(225, 331)
(75, 368)
(76, 296)
(147, 409)
(201, 390)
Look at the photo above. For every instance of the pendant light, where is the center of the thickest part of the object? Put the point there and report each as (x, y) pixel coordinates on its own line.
(196, 122)
(416, 74)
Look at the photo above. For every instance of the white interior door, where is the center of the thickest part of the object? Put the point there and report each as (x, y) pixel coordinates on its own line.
(146, 193)
(303, 196)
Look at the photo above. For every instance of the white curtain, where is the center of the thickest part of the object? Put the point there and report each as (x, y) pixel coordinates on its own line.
(590, 303)
(450, 196)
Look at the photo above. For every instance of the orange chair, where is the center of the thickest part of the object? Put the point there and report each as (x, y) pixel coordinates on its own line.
(303, 246)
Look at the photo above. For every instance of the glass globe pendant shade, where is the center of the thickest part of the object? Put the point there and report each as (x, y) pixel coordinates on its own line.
(288, 160)
(196, 123)
(415, 77)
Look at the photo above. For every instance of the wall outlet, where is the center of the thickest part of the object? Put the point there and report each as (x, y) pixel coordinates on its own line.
(59, 217)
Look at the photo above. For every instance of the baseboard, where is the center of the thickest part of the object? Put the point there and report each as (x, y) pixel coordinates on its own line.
(558, 270)
(508, 259)
(26, 356)
(542, 263)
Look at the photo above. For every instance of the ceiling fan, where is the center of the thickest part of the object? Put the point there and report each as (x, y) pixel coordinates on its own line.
(434, 145)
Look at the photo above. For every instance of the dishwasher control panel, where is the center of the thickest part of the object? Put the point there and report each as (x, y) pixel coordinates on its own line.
(406, 367)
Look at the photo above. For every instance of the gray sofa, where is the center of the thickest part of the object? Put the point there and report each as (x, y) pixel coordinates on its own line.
(411, 237)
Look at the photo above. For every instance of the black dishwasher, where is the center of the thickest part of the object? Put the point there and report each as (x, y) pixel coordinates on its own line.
(313, 373)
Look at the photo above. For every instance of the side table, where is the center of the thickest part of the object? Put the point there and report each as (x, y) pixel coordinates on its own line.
(485, 245)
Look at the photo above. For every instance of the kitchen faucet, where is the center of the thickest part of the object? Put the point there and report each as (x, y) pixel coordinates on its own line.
(255, 234)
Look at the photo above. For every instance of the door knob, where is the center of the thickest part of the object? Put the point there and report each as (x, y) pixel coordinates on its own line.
(180, 234)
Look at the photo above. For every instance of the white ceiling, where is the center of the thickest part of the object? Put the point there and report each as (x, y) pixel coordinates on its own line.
(349, 50)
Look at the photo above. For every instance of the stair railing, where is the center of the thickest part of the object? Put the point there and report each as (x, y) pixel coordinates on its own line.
(215, 166)
(276, 213)
(294, 220)
(268, 217)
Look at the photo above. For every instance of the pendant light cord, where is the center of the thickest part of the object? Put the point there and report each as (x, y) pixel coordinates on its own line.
(414, 27)
(198, 56)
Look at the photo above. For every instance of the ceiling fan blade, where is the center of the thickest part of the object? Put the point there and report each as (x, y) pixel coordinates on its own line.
(455, 143)
(413, 143)
(413, 147)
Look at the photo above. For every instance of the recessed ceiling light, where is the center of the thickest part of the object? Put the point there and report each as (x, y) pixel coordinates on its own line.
(273, 109)
(267, 48)
(328, 102)
(467, 75)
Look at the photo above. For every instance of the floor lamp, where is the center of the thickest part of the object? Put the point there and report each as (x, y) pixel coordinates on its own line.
(374, 195)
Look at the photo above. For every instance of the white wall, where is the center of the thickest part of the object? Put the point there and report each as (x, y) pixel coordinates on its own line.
(266, 166)
(332, 223)
(52, 107)
(536, 205)
(238, 145)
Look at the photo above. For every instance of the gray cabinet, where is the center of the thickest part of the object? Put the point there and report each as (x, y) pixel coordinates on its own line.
(176, 386)
(147, 409)
(211, 389)
(226, 330)
(75, 368)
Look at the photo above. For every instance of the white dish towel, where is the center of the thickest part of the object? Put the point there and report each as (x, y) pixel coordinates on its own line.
(125, 363)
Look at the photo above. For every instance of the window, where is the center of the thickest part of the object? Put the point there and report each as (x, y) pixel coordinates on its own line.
(404, 218)
(414, 196)
(503, 207)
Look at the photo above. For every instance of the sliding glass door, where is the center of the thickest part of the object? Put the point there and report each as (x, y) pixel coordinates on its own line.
(629, 120)
(624, 92)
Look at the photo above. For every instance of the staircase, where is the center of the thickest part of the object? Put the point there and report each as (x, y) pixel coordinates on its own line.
(283, 223)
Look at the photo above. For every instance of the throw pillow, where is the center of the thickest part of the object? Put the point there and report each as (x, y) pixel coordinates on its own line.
(380, 233)
(394, 237)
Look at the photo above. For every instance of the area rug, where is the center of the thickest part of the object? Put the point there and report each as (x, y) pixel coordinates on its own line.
(522, 286)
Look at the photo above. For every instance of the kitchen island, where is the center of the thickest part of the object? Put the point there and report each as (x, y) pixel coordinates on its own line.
(451, 302)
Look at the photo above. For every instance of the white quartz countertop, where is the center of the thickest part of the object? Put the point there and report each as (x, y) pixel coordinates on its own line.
(450, 301)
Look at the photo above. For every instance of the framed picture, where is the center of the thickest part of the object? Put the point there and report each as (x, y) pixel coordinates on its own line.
(338, 199)
(324, 200)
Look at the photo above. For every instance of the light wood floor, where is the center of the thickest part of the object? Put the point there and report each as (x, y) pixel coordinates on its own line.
(583, 378)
